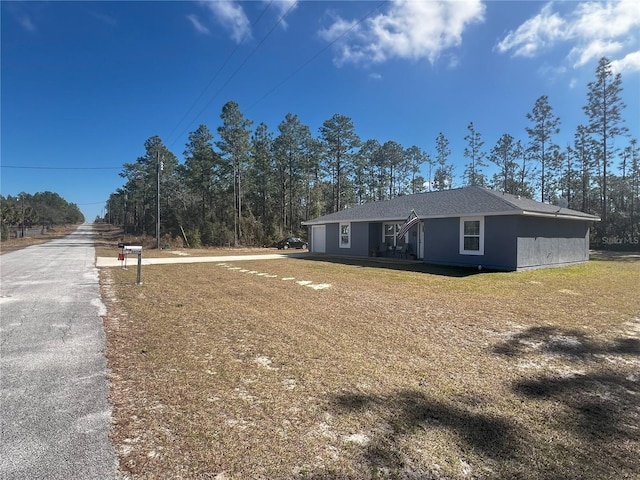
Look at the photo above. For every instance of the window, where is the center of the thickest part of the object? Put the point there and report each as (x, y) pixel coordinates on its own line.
(472, 236)
(345, 235)
(389, 232)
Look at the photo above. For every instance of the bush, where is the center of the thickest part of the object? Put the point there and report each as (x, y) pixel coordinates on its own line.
(193, 238)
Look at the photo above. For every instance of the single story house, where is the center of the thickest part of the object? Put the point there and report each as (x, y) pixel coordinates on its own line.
(468, 227)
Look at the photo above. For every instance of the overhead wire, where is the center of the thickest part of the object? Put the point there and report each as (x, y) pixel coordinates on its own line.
(213, 78)
(237, 70)
(286, 79)
(317, 54)
(31, 167)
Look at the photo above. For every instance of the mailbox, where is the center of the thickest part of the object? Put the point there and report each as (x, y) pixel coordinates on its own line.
(127, 249)
(132, 249)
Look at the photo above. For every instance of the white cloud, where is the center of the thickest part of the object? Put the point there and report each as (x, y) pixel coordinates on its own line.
(200, 28)
(375, 76)
(454, 62)
(232, 18)
(596, 29)
(534, 35)
(408, 29)
(630, 63)
(284, 7)
(594, 50)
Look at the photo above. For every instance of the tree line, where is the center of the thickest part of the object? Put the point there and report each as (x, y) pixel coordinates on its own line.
(251, 186)
(46, 209)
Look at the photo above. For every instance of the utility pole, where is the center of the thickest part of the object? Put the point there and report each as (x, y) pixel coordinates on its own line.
(125, 212)
(159, 167)
(22, 197)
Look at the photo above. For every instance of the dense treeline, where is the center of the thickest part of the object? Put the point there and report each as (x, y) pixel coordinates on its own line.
(45, 209)
(251, 185)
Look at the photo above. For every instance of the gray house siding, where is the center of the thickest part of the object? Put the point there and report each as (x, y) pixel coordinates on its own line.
(515, 233)
(360, 240)
(442, 243)
(551, 242)
(440, 238)
(375, 236)
(499, 243)
(511, 242)
(333, 237)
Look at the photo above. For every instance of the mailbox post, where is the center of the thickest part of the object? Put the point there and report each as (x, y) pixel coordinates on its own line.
(134, 249)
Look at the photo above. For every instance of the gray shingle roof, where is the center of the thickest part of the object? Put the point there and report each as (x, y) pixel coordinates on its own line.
(467, 201)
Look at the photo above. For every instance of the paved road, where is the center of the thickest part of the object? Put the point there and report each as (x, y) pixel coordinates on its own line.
(55, 416)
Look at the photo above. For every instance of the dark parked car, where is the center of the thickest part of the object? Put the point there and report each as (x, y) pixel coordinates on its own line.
(291, 242)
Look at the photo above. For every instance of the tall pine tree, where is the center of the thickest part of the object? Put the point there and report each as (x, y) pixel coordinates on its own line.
(604, 110)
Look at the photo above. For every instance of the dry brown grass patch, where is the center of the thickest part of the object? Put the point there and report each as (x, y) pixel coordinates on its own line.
(387, 374)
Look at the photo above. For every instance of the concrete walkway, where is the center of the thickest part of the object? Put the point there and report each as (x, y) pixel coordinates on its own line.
(133, 259)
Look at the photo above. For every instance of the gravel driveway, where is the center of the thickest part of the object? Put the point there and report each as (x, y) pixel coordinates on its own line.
(55, 416)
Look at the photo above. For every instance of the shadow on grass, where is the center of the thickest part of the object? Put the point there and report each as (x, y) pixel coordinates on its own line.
(603, 405)
(390, 264)
(570, 343)
(601, 397)
(615, 256)
(412, 412)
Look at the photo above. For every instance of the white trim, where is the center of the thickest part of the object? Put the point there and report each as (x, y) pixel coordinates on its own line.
(348, 244)
(396, 228)
(480, 251)
(560, 215)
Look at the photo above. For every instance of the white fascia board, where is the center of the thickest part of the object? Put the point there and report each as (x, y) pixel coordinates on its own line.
(560, 215)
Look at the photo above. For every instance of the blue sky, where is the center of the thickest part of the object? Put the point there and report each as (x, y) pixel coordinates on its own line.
(84, 84)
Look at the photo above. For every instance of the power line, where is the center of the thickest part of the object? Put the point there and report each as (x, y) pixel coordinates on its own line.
(24, 167)
(213, 79)
(92, 203)
(320, 52)
(241, 65)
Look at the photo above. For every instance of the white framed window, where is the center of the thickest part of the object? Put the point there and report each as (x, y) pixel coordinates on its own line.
(472, 236)
(390, 232)
(345, 235)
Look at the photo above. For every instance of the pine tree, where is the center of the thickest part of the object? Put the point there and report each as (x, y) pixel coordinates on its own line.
(198, 171)
(473, 151)
(339, 139)
(416, 157)
(443, 176)
(234, 145)
(545, 126)
(504, 155)
(604, 110)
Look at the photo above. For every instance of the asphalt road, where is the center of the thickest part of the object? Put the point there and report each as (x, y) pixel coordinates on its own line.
(55, 417)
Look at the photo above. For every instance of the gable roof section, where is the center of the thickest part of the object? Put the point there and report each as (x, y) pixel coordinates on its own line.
(459, 202)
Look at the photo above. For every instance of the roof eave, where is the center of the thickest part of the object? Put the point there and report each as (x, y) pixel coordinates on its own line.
(590, 218)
